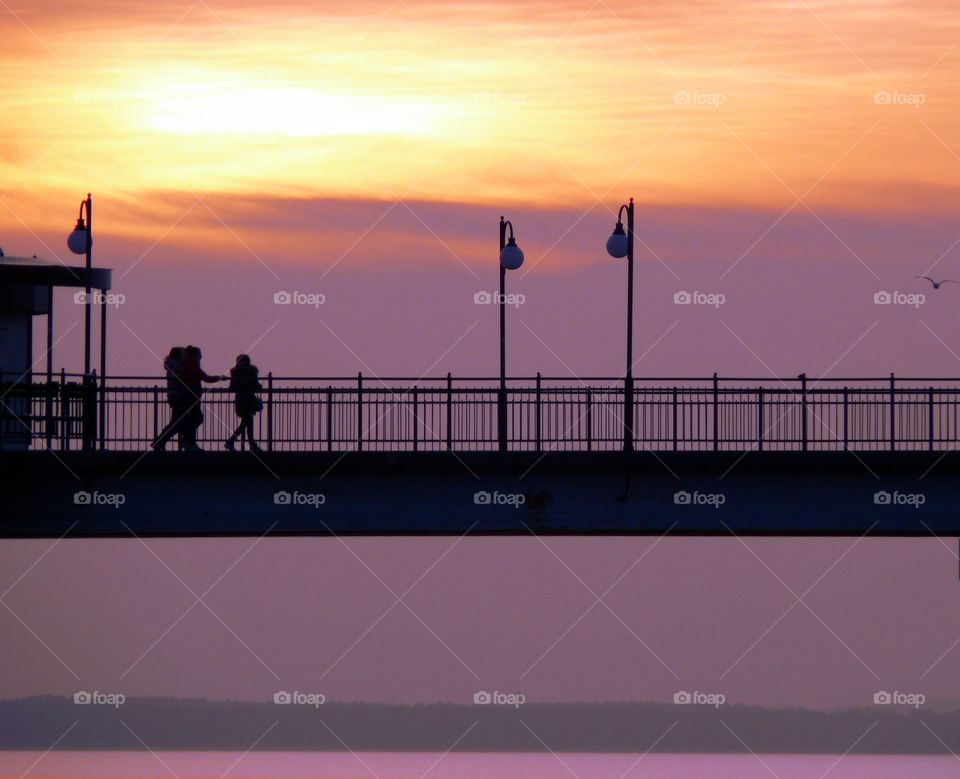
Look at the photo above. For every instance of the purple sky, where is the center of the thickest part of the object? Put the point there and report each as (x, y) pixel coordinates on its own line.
(798, 292)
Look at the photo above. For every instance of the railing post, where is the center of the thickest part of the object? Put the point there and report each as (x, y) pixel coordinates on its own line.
(270, 411)
(760, 419)
(716, 412)
(893, 413)
(101, 390)
(628, 431)
(930, 417)
(589, 419)
(803, 410)
(676, 419)
(846, 416)
(88, 405)
(502, 419)
(449, 412)
(360, 411)
(329, 418)
(102, 414)
(64, 412)
(156, 412)
(416, 418)
(537, 409)
(48, 411)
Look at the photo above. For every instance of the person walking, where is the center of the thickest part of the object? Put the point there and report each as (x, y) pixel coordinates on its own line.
(245, 384)
(194, 377)
(177, 399)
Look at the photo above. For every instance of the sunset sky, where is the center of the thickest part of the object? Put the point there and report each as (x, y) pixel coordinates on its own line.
(796, 157)
(366, 150)
(484, 103)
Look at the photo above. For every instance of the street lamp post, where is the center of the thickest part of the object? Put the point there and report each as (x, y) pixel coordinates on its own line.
(80, 241)
(511, 258)
(620, 245)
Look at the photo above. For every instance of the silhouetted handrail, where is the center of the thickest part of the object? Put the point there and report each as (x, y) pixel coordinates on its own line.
(377, 413)
(8, 377)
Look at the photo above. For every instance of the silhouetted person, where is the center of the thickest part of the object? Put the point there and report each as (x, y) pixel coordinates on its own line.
(245, 384)
(193, 377)
(177, 399)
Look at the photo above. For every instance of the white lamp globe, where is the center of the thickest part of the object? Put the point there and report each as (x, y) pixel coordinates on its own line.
(511, 257)
(617, 244)
(77, 240)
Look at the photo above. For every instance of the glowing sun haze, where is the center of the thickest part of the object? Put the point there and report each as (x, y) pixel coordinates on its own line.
(699, 101)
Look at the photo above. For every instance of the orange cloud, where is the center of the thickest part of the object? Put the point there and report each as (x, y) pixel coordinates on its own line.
(702, 102)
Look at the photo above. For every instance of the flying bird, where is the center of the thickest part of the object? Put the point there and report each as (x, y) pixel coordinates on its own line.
(936, 284)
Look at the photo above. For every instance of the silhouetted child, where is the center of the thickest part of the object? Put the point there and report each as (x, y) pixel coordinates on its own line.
(245, 384)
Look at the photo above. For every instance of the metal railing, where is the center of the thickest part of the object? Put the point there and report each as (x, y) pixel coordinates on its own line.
(366, 413)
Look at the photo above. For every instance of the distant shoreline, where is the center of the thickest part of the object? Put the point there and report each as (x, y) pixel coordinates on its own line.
(199, 725)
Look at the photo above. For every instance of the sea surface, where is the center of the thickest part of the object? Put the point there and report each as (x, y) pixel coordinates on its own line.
(461, 765)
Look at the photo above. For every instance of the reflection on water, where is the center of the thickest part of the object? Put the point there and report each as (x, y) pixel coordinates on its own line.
(393, 765)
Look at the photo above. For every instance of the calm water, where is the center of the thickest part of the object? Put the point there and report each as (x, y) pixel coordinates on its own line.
(386, 765)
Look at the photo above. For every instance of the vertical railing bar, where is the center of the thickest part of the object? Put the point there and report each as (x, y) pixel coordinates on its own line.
(676, 414)
(156, 411)
(450, 412)
(589, 419)
(415, 418)
(270, 411)
(329, 415)
(803, 410)
(846, 419)
(893, 413)
(360, 411)
(537, 412)
(760, 419)
(716, 413)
